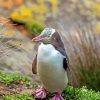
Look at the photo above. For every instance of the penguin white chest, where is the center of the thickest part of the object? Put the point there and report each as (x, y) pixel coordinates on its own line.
(50, 68)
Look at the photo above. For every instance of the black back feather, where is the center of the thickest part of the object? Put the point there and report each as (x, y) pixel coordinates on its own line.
(65, 63)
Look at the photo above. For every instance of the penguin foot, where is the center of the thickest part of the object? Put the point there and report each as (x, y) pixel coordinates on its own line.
(40, 93)
(57, 96)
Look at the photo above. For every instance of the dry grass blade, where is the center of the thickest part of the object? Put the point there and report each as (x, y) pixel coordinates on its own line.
(83, 47)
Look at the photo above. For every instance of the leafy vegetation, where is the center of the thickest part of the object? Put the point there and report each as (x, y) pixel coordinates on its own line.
(80, 94)
(8, 78)
(69, 94)
(25, 96)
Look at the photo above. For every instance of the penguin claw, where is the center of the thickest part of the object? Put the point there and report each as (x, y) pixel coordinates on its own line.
(40, 93)
(57, 97)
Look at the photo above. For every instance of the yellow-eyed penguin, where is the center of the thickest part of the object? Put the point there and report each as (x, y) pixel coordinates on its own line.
(50, 64)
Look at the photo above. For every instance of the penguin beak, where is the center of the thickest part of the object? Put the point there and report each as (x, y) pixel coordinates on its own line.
(37, 39)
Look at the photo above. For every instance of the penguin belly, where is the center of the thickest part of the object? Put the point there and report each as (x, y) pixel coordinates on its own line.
(50, 68)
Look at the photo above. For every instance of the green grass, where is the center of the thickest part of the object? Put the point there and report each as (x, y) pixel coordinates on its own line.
(8, 78)
(80, 94)
(69, 93)
(19, 97)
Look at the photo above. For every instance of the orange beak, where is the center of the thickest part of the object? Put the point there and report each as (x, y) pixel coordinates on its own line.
(37, 39)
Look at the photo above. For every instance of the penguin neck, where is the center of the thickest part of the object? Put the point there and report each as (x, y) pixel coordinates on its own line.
(46, 49)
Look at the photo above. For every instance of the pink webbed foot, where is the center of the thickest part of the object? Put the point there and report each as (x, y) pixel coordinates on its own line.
(57, 96)
(40, 93)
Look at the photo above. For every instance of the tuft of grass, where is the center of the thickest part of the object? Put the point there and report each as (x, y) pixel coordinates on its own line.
(88, 58)
(25, 96)
(8, 78)
(83, 47)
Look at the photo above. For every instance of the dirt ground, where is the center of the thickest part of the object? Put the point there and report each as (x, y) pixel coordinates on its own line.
(15, 88)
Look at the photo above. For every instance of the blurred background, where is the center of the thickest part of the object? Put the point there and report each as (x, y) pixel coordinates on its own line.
(77, 21)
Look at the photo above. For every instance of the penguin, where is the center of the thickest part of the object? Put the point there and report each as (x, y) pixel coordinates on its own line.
(50, 64)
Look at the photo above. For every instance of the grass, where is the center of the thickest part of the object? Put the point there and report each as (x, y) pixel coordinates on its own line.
(19, 97)
(8, 78)
(80, 94)
(82, 44)
(88, 59)
(69, 93)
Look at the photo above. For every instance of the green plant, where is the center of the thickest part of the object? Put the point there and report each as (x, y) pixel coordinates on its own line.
(91, 77)
(25, 96)
(88, 60)
(8, 78)
(80, 94)
(69, 94)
